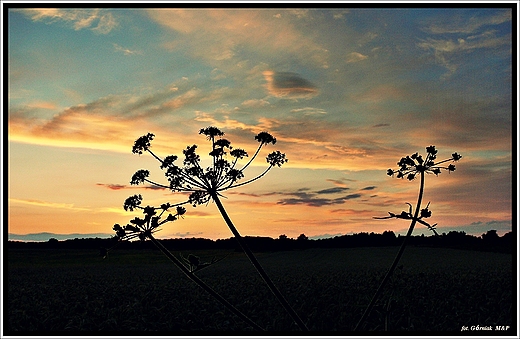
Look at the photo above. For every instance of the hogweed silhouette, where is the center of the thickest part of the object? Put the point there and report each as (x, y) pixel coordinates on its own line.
(143, 228)
(203, 185)
(410, 167)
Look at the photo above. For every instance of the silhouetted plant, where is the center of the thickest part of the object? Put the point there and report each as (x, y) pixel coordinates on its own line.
(410, 167)
(143, 228)
(207, 184)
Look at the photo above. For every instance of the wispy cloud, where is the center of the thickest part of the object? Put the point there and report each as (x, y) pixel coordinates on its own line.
(183, 235)
(255, 103)
(41, 203)
(478, 227)
(325, 145)
(455, 24)
(78, 126)
(467, 36)
(126, 51)
(309, 111)
(220, 36)
(45, 236)
(380, 93)
(355, 57)
(111, 122)
(381, 125)
(97, 20)
(118, 187)
(318, 202)
(333, 190)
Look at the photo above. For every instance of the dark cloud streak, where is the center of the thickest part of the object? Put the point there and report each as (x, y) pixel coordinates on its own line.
(290, 85)
(333, 190)
(117, 187)
(309, 199)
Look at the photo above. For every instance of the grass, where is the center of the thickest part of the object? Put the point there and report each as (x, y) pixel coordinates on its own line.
(436, 290)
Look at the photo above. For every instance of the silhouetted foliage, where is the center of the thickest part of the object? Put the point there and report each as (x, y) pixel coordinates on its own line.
(410, 167)
(204, 185)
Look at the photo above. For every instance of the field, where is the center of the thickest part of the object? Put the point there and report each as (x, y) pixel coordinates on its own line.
(139, 291)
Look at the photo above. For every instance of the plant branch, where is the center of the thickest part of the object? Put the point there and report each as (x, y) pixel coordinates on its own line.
(248, 181)
(252, 158)
(397, 258)
(201, 283)
(156, 184)
(256, 264)
(155, 156)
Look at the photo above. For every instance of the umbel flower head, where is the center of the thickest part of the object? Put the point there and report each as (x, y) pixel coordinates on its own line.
(409, 168)
(414, 164)
(142, 227)
(203, 182)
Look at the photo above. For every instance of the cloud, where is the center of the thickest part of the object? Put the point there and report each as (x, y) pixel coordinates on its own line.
(110, 122)
(45, 236)
(200, 214)
(98, 21)
(304, 197)
(184, 235)
(309, 111)
(328, 144)
(325, 236)
(113, 187)
(299, 13)
(451, 25)
(318, 202)
(340, 182)
(340, 14)
(444, 47)
(252, 195)
(289, 85)
(78, 126)
(489, 117)
(255, 103)
(369, 188)
(451, 52)
(478, 228)
(118, 187)
(353, 212)
(355, 57)
(333, 190)
(42, 105)
(226, 37)
(126, 51)
(48, 204)
(380, 93)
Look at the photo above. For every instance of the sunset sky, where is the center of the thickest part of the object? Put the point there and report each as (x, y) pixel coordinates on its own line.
(346, 92)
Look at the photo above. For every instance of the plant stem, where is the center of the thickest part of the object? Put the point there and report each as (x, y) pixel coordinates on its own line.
(202, 284)
(397, 258)
(257, 265)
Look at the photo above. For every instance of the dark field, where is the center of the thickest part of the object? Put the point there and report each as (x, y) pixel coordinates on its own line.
(436, 290)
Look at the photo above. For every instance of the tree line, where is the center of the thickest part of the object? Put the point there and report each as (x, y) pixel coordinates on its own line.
(489, 241)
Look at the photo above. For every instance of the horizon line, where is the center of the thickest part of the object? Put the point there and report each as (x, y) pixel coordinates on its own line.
(46, 236)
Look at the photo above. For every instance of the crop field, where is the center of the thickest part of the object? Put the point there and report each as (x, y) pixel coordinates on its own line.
(434, 290)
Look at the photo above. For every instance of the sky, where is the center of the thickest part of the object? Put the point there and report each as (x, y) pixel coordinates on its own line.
(346, 92)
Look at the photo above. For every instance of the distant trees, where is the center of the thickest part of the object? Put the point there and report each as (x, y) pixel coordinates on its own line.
(489, 241)
(490, 237)
(302, 237)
